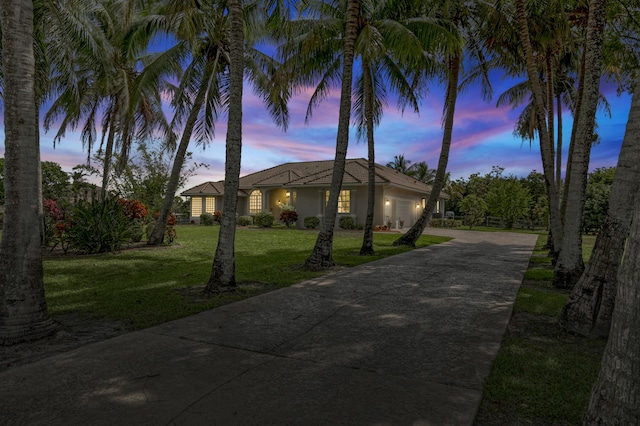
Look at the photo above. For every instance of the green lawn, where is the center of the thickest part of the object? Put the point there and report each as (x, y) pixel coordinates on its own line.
(542, 375)
(147, 287)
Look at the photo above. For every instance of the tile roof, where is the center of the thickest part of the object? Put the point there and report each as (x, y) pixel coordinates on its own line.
(316, 173)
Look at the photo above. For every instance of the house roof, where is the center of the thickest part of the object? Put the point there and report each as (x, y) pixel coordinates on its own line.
(315, 173)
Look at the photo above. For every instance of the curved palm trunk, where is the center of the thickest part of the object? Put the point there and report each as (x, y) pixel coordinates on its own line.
(367, 239)
(223, 272)
(590, 307)
(615, 396)
(545, 141)
(322, 255)
(412, 235)
(570, 265)
(559, 141)
(23, 309)
(157, 236)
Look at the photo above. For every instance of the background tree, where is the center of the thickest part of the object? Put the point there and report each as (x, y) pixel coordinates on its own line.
(474, 210)
(509, 200)
(400, 164)
(597, 198)
(55, 183)
(23, 309)
(421, 172)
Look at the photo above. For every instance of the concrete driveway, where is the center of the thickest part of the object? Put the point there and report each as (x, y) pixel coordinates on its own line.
(403, 340)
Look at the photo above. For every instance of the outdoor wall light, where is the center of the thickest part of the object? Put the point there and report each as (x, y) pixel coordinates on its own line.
(386, 201)
(287, 194)
(417, 205)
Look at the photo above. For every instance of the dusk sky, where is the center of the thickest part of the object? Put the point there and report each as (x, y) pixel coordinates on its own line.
(482, 137)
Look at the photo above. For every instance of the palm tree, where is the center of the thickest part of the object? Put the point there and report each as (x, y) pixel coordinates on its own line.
(615, 395)
(202, 92)
(108, 81)
(322, 255)
(546, 147)
(591, 303)
(400, 164)
(421, 171)
(569, 265)
(223, 272)
(23, 309)
(459, 14)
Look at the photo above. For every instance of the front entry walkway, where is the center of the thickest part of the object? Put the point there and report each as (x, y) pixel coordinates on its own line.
(404, 340)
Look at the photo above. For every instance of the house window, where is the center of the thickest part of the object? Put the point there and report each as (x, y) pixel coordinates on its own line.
(255, 202)
(196, 206)
(210, 205)
(344, 201)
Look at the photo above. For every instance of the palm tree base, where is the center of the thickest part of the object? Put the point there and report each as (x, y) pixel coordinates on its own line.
(12, 334)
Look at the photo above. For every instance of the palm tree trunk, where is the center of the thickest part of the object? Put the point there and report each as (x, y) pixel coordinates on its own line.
(550, 112)
(615, 396)
(367, 240)
(570, 265)
(322, 255)
(157, 236)
(23, 309)
(590, 307)
(559, 141)
(545, 144)
(412, 235)
(108, 150)
(223, 272)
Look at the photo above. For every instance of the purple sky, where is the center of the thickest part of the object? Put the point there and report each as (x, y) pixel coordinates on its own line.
(482, 137)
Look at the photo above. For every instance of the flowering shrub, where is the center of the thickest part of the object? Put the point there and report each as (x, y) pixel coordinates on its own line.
(289, 217)
(53, 210)
(133, 209)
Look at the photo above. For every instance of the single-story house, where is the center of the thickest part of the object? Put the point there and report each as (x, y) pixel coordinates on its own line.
(400, 199)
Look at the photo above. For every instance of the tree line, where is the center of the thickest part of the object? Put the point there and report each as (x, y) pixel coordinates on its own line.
(90, 61)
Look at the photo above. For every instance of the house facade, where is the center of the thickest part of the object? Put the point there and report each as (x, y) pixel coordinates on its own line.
(305, 186)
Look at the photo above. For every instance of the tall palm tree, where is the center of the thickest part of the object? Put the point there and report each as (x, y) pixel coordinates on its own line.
(546, 147)
(223, 272)
(108, 82)
(569, 265)
(615, 395)
(590, 306)
(460, 15)
(23, 309)
(202, 92)
(322, 254)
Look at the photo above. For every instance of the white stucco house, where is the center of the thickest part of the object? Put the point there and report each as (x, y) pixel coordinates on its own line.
(305, 186)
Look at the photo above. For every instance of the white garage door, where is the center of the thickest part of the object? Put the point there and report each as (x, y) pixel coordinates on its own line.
(403, 211)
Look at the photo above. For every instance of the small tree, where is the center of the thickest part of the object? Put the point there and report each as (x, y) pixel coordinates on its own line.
(509, 199)
(474, 209)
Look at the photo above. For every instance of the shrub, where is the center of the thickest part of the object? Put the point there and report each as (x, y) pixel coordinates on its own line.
(311, 222)
(244, 221)
(148, 229)
(289, 217)
(445, 223)
(346, 222)
(217, 217)
(264, 219)
(207, 219)
(99, 226)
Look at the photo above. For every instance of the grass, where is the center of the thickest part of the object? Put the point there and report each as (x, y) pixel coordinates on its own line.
(150, 286)
(542, 375)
